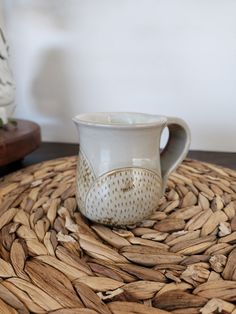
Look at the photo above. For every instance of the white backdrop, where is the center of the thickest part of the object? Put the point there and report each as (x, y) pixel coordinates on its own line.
(171, 57)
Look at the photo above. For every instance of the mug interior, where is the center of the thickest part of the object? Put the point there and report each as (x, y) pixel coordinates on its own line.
(119, 119)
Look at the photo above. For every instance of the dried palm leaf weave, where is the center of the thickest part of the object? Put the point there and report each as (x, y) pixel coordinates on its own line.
(180, 260)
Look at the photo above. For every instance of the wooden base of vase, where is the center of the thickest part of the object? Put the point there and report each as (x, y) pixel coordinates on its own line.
(17, 142)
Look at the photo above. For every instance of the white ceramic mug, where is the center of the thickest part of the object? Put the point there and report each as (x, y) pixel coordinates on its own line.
(121, 173)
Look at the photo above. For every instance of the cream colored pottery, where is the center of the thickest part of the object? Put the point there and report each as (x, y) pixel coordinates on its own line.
(121, 173)
(7, 86)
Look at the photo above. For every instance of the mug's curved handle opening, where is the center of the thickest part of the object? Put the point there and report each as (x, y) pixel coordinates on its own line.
(176, 148)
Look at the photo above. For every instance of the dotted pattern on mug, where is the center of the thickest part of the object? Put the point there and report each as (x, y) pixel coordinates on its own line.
(85, 178)
(123, 196)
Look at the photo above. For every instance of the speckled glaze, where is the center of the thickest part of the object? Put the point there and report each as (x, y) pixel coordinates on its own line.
(121, 174)
(118, 197)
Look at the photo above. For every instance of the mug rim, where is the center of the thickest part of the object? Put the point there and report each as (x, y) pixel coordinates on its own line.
(101, 119)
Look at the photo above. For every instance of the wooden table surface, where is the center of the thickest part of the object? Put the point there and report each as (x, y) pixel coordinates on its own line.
(48, 151)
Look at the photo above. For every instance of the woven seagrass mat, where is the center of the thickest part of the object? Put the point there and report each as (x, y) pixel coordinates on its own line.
(180, 260)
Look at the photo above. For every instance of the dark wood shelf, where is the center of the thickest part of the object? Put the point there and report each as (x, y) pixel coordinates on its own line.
(48, 151)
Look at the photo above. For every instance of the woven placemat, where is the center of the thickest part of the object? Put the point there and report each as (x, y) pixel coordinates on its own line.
(180, 260)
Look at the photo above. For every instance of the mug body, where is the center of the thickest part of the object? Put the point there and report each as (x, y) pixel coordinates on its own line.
(118, 175)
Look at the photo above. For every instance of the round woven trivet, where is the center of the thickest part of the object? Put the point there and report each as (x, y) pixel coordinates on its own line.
(180, 260)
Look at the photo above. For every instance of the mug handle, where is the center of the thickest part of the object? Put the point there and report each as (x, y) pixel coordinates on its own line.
(176, 148)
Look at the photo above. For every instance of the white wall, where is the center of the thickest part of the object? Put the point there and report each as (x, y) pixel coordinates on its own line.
(172, 57)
